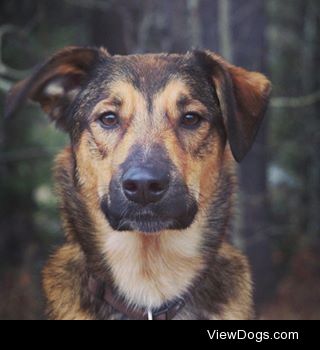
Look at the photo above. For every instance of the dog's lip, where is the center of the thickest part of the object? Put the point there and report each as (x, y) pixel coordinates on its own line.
(143, 213)
(145, 217)
(149, 222)
(150, 226)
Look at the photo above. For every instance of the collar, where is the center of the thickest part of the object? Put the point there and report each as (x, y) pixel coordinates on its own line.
(101, 290)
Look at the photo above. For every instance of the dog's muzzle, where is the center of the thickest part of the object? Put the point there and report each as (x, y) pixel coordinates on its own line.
(148, 194)
(148, 202)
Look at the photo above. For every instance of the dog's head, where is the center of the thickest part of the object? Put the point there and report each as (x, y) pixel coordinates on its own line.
(148, 132)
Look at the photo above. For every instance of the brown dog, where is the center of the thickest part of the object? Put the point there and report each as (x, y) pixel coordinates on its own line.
(146, 187)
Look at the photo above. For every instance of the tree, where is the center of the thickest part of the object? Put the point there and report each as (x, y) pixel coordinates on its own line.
(249, 25)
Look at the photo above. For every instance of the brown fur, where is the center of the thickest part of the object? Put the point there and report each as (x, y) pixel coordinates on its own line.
(149, 94)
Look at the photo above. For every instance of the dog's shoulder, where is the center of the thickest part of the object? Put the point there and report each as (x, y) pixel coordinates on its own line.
(62, 283)
(235, 262)
(226, 292)
(235, 271)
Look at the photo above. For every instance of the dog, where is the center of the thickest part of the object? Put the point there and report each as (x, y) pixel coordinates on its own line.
(147, 184)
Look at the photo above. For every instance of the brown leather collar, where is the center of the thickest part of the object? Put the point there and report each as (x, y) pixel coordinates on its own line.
(104, 292)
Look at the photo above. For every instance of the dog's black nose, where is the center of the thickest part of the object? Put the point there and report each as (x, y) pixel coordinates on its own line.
(144, 185)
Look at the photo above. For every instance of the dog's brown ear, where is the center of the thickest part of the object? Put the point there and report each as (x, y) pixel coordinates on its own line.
(243, 98)
(56, 83)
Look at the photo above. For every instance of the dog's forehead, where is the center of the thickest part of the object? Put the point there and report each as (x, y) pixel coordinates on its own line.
(151, 73)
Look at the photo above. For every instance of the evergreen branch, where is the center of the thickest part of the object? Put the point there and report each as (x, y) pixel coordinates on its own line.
(295, 102)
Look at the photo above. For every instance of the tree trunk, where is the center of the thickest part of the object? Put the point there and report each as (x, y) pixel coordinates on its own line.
(224, 28)
(107, 29)
(250, 51)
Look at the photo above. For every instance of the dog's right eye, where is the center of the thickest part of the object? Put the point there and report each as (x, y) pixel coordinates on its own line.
(109, 120)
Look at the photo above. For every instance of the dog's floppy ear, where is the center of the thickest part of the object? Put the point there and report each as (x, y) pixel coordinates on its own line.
(243, 98)
(56, 83)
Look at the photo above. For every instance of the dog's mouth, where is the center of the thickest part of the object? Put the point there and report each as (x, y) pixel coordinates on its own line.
(143, 221)
(147, 220)
(146, 225)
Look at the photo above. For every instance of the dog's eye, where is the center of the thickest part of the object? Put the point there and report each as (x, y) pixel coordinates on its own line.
(109, 120)
(191, 120)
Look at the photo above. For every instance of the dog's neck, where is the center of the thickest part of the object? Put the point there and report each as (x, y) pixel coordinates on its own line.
(148, 270)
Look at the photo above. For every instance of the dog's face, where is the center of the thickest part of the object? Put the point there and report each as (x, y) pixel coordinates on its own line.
(148, 131)
(147, 138)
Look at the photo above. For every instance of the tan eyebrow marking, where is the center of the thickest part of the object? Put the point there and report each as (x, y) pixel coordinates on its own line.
(183, 101)
(116, 101)
(188, 104)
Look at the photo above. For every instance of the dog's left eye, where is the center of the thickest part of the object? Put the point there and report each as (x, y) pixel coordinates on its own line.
(109, 120)
(191, 120)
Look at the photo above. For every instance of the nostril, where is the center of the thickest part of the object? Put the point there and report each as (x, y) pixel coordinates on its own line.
(144, 185)
(156, 187)
(130, 186)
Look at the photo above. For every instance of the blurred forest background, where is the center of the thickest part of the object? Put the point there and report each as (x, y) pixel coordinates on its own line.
(279, 203)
